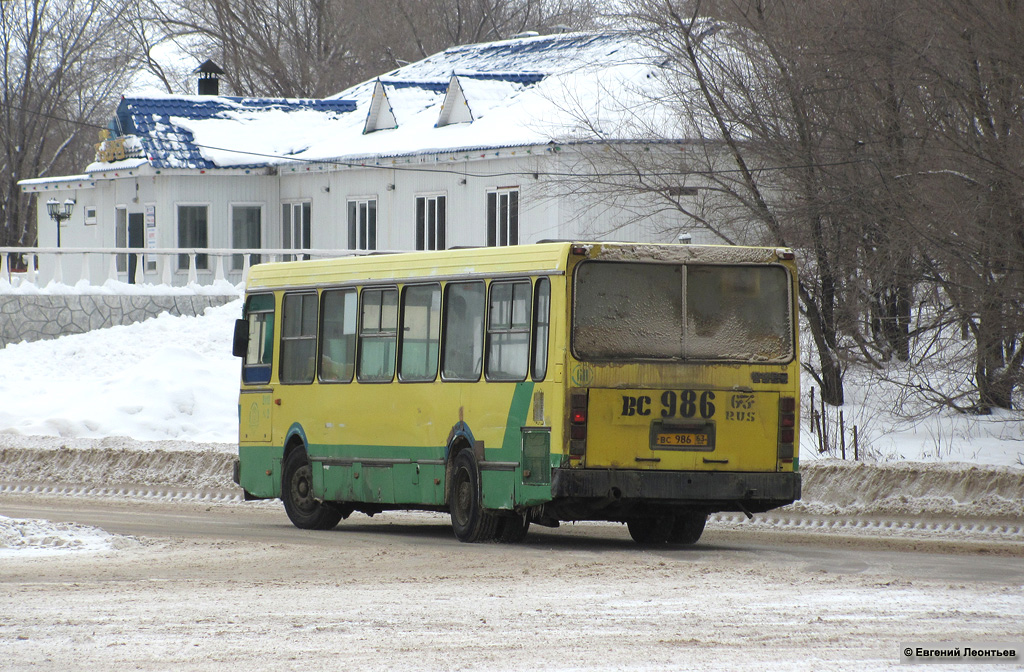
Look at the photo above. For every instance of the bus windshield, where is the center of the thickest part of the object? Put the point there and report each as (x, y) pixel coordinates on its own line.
(642, 311)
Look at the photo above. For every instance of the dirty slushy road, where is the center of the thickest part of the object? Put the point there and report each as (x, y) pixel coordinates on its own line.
(232, 586)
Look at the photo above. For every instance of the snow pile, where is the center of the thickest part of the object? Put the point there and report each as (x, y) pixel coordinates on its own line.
(26, 538)
(165, 378)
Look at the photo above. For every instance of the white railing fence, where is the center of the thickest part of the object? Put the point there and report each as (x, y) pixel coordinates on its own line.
(154, 266)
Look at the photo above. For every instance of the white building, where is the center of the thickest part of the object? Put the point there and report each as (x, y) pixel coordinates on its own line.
(473, 146)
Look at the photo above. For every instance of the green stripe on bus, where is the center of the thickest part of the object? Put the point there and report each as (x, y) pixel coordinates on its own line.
(517, 412)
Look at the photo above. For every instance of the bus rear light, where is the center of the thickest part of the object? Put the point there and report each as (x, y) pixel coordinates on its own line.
(785, 253)
(578, 401)
(787, 428)
(580, 250)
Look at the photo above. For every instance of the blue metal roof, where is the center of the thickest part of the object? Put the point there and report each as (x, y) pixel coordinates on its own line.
(168, 144)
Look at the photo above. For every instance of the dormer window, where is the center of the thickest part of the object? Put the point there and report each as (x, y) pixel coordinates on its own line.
(381, 116)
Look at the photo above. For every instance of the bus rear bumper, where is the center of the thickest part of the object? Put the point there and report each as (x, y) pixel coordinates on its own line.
(621, 490)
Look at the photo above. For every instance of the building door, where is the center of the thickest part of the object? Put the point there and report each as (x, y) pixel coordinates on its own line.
(136, 238)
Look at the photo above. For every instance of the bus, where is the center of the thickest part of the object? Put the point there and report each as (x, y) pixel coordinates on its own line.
(650, 385)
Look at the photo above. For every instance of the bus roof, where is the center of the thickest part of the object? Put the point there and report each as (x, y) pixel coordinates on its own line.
(550, 258)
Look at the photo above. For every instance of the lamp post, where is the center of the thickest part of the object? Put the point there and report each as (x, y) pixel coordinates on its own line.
(58, 213)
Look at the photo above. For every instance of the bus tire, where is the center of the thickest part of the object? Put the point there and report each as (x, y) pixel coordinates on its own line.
(303, 509)
(688, 527)
(512, 529)
(650, 530)
(470, 521)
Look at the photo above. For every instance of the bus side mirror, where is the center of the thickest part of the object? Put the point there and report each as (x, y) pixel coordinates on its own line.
(240, 346)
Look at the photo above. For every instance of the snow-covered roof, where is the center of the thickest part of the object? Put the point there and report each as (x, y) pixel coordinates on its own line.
(515, 93)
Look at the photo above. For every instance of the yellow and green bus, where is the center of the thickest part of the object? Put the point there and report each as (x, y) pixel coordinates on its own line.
(645, 384)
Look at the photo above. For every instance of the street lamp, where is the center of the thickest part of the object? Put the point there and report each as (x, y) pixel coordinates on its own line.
(58, 213)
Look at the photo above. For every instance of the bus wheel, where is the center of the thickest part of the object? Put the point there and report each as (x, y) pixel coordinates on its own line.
(688, 527)
(469, 519)
(304, 510)
(650, 530)
(512, 529)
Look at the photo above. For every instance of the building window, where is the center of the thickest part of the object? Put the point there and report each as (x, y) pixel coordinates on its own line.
(246, 226)
(362, 224)
(508, 331)
(503, 217)
(192, 232)
(430, 222)
(295, 227)
(298, 338)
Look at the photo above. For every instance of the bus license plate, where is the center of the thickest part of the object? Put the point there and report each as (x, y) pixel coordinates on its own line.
(681, 440)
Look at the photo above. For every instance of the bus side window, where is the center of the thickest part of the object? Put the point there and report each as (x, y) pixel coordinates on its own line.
(259, 313)
(378, 332)
(298, 338)
(541, 327)
(421, 332)
(338, 334)
(508, 331)
(462, 356)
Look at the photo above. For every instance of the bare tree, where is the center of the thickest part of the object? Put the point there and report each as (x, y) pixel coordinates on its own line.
(63, 63)
(430, 26)
(884, 140)
(287, 48)
(975, 187)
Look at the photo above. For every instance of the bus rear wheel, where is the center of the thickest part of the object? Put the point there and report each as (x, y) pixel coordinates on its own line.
(512, 529)
(650, 530)
(470, 521)
(303, 509)
(688, 527)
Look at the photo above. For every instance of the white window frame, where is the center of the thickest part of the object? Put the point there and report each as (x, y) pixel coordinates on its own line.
(432, 225)
(237, 261)
(297, 231)
(202, 260)
(502, 213)
(362, 231)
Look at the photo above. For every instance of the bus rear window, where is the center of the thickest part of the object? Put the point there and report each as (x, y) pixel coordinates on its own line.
(639, 311)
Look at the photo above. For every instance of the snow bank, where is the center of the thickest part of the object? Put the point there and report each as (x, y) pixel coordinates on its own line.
(122, 467)
(913, 489)
(144, 465)
(28, 538)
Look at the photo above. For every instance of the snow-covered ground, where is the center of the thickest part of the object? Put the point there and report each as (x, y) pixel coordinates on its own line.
(170, 384)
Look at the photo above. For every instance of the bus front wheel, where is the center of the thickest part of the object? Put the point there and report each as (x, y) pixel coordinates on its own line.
(303, 509)
(470, 521)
